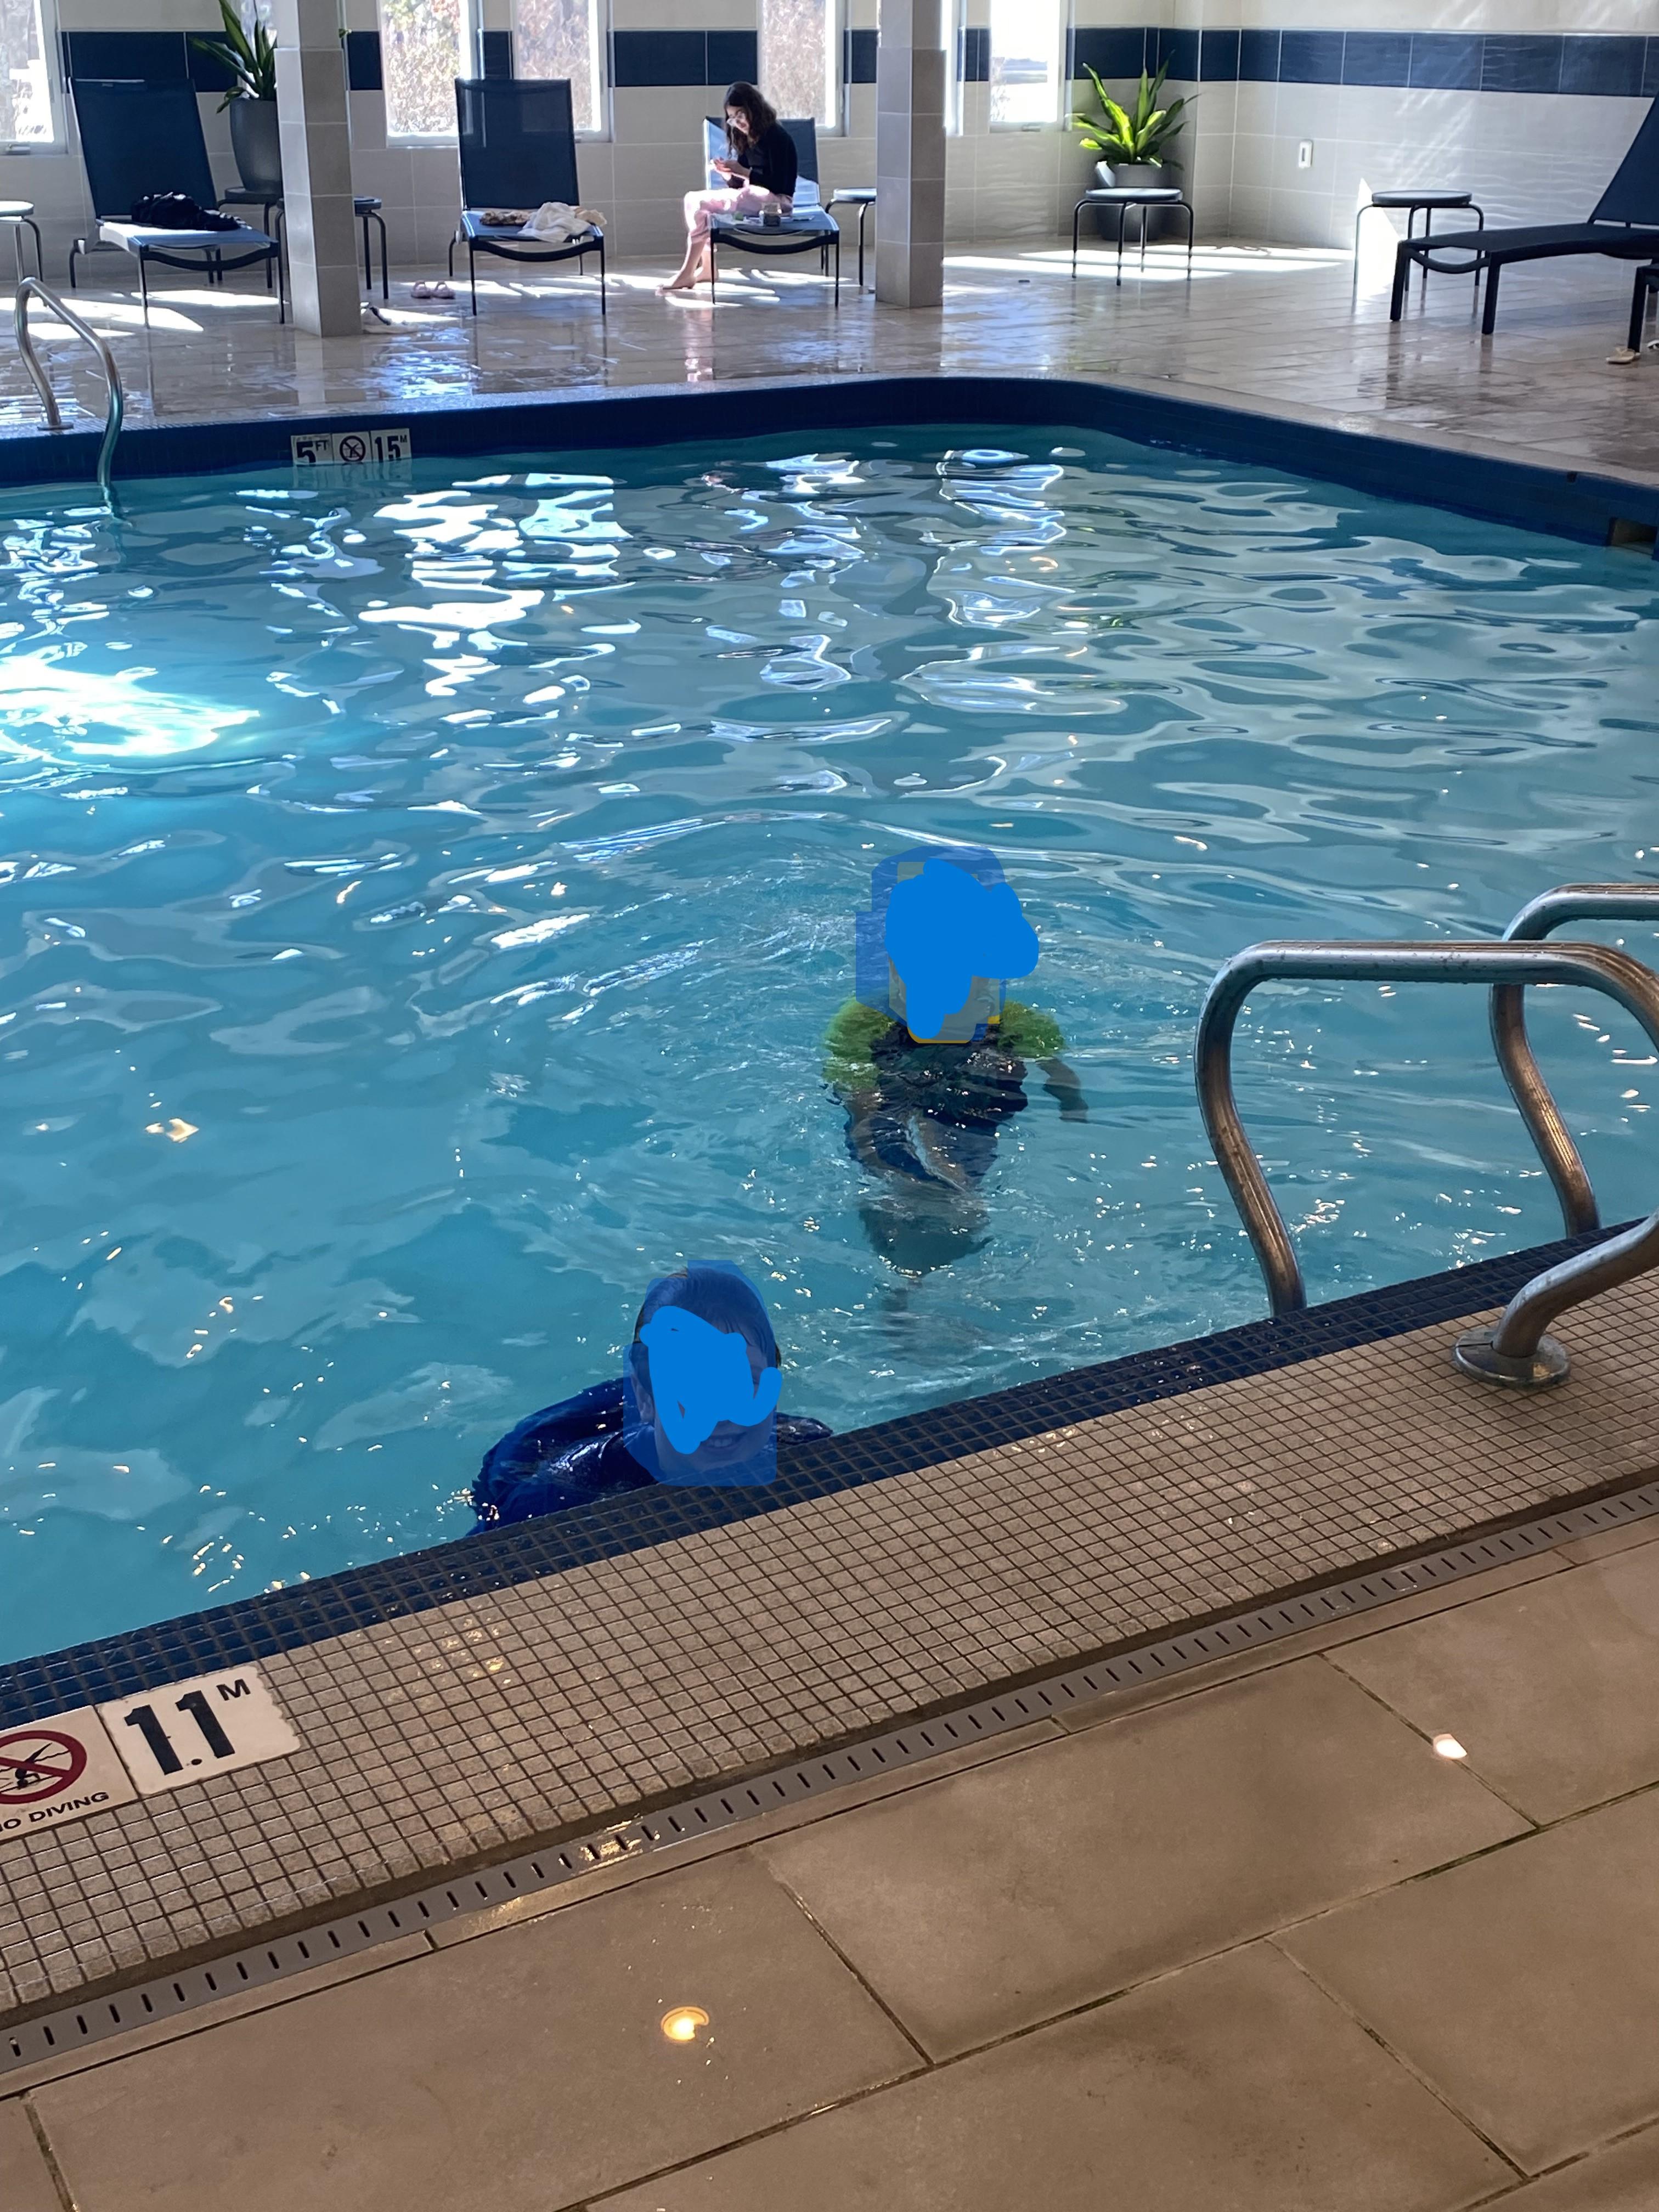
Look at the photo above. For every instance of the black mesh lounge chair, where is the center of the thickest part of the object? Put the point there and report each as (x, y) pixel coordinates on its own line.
(137, 139)
(1624, 224)
(517, 141)
(807, 229)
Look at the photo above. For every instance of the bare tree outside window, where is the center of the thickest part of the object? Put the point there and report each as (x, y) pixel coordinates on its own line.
(423, 49)
(797, 56)
(1025, 64)
(25, 96)
(560, 37)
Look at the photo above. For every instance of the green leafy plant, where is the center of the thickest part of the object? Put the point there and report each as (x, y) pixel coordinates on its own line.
(250, 57)
(1142, 138)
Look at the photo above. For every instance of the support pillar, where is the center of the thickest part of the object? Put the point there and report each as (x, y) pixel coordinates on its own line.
(910, 155)
(316, 140)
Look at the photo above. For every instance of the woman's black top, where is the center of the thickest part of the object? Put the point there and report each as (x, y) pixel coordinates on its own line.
(572, 1453)
(771, 163)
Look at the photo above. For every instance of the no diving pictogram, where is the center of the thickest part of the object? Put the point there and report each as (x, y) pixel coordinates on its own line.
(351, 447)
(36, 1763)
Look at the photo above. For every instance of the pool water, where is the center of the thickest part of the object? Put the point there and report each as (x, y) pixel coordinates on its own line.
(424, 901)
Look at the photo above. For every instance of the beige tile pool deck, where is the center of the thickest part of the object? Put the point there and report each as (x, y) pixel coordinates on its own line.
(1241, 1940)
(1278, 330)
(1357, 1979)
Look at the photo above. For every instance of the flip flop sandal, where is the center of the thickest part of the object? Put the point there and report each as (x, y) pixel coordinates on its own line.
(432, 292)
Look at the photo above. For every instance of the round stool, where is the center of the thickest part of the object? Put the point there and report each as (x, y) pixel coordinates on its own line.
(19, 215)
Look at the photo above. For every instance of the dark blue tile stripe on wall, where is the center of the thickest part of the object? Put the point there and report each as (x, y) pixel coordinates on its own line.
(1454, 61)
(641, 58)
(1597, 64)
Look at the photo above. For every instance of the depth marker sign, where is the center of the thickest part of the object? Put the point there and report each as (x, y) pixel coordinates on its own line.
(73, 1764)
(56, 1771)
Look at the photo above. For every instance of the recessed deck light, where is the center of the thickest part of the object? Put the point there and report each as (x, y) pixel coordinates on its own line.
(1448, 1748)
(684, 2023)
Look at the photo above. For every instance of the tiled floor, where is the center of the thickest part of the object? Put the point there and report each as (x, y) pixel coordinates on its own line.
(1244, 1943)
(1274, 329)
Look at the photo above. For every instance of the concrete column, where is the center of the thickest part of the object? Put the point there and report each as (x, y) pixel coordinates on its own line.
(310, 104)
(910, 155)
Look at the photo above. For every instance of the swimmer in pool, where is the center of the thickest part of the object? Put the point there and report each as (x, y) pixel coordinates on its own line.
(923, 1111)
(696, 1407)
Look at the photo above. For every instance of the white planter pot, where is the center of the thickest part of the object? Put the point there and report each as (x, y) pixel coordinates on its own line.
(1128, 174)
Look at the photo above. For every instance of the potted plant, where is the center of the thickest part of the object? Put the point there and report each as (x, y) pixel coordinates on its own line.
(249, 53)
(1135, 147)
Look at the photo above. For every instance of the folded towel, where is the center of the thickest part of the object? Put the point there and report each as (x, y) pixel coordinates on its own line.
(556, 222)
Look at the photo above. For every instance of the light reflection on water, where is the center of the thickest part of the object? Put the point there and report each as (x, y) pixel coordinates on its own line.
(470, 867)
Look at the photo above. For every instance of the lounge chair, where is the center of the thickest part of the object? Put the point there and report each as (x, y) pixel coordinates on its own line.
(139, 140)
(1624, 224)
(517, 141)
(807, 229)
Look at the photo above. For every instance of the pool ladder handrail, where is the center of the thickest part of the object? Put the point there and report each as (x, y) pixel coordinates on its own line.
(32, 288)
(1543, 916)
(1517, 1350)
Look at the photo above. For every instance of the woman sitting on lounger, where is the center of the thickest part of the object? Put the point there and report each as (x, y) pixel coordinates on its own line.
(759, 166)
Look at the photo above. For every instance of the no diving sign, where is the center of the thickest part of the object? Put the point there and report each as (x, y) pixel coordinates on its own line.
(56, 1771)
(76, 1764)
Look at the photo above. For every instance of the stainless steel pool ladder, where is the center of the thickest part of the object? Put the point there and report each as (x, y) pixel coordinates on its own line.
(1517, 1350)
(1546, 915)
(32, 288)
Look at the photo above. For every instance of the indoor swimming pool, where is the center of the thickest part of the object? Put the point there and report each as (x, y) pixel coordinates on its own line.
(422, 902)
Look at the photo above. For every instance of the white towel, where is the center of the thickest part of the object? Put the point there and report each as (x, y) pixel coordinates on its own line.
(556, 223)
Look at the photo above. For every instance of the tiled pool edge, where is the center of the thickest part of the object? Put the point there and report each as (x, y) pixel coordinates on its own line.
(457, 1738)
(258, 1627)
(1570, 502)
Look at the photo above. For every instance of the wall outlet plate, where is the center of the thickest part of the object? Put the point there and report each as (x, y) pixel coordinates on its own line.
(1305, 155)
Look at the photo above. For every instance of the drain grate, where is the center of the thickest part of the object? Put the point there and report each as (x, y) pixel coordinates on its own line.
(59, 2034)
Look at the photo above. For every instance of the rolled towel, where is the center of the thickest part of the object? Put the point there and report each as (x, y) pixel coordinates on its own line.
(556, 222)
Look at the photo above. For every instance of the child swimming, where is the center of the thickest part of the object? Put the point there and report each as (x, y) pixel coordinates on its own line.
(623, 1435)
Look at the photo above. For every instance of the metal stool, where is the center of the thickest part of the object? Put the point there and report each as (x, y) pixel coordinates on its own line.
(1123, 198)
(863, 197)
(364, 205)
(19, 215)
(1427, 202)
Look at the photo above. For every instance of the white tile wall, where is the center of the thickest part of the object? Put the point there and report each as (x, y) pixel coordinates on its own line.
(1525, 157)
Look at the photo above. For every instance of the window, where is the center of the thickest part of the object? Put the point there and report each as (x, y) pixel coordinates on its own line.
(1026, 37)
(25, 111)
(562, 38)
(425, 45)
(798, 72)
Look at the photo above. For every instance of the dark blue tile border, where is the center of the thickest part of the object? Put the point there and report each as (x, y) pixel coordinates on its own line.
(1258, 57)
(1514, 63)
(973, 55)
(1311, 56)
(858, 60)
(1376, 58)
(1217, 61)
(1570, 503)
(1179, 49)
(495, 53)
(285, 1620)
(363, 62)
(698, 57)
(156, 56)
(1446, 61)
(1610, 66)
(1111, 52)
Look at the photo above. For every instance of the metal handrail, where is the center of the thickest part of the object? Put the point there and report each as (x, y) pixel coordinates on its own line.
(1551, 912)
(1516, 1350)
(32, 287)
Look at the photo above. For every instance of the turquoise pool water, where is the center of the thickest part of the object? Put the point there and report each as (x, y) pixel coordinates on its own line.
(423, 904)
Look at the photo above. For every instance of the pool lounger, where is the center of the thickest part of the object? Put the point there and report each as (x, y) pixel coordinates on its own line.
(139, 138)
(518, 150)
(1623, 225)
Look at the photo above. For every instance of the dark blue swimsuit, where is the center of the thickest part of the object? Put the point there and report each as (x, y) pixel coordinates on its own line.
(572, 1453)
